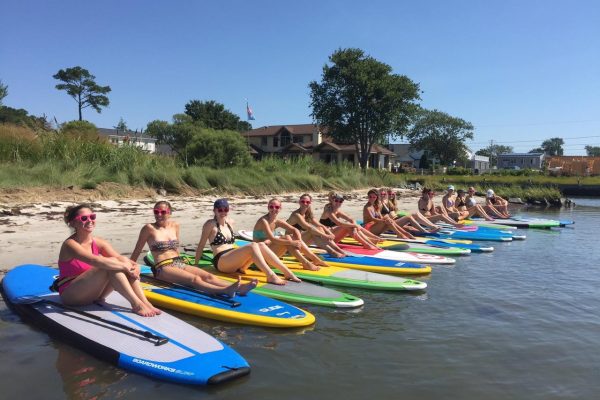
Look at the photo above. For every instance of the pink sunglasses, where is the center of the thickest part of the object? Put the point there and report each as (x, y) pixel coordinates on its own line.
(84, 218)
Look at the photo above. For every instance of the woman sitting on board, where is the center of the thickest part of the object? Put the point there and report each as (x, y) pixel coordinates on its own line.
(471, 201)
(500, 204)
(218, 233)
(430, 211)
(449, 205)
(90, 268)
(476, 210)
(313, 231)
(377, 223)
(416, 219)
(264, 231)
(342, 225)
(162, 236)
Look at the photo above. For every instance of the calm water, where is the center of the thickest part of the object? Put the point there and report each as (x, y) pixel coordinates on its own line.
(520, 323)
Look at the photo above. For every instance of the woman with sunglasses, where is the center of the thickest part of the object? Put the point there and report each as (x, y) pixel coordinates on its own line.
(471, 201)
(313, 231)
(292, 242)
(449, 205)
(477, 210)
(376, 222)
(431, 211)
(90, 268)
(218, 233)
(343, 225)
(497, 203)
(392, 206)
(415, 221)
(162, 236)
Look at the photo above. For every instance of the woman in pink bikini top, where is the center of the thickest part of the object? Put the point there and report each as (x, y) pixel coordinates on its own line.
(90, 268)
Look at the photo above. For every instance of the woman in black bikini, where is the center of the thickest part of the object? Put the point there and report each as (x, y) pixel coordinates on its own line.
(312, 230)
(218, 233)
(162, 237)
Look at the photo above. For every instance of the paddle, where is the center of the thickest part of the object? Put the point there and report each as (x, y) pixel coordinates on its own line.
(146, 334)
(216, 297)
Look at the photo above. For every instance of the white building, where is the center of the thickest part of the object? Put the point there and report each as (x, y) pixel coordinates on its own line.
(120, 138)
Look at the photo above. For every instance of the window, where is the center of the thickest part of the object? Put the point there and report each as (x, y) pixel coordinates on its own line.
(285, 139)
(263, 141)
(275, 141)
(298, 139)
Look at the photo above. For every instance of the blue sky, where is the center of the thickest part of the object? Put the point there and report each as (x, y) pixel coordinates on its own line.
(520, 71)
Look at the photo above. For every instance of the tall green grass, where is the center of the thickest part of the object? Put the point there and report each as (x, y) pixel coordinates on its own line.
(56, 160)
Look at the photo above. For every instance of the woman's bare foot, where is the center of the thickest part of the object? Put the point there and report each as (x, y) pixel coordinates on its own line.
(150, 306)
(230, 290)
(143, 310)
(310, 266)
(246, 287)
(321, 263)
(274, 279)
(293, 278)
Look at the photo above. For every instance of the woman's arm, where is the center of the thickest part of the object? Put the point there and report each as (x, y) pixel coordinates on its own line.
(108, 259)
(206, 229)
(141, 242)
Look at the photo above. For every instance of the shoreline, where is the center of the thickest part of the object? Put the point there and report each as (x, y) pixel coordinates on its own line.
(32, 232)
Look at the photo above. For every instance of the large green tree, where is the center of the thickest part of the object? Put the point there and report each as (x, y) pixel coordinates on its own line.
(361, 101)
(552, 147)
(82, 87)
(211, 114)
(593, 151)
(441, 135)
(3, 92)
(195, 144)
(493, 150)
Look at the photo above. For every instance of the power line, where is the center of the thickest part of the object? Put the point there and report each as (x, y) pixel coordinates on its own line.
(537, 140)
(539, 123)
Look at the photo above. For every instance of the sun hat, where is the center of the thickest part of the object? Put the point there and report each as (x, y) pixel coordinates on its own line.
(490, 193)
(460, 191)
(221, 203)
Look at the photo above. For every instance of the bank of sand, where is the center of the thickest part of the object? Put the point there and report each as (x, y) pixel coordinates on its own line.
(36, 230)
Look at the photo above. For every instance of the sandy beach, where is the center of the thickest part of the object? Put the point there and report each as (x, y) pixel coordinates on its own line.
(32, 232)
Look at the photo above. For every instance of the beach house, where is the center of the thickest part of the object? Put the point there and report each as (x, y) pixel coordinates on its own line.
(289, 141)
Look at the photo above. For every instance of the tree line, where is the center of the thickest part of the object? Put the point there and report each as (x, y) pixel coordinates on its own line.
(358, 99)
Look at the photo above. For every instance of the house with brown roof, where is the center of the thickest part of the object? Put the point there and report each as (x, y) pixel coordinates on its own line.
(310, 139)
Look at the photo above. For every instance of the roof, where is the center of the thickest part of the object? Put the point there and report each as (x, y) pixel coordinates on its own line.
(299, 129)
(117, 132)
(520, 155)
(376, 148)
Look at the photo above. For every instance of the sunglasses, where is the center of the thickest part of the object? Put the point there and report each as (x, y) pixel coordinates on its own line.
(161, 212)
(305, 202)
(222, 210)
(383, 193)
(274, 207)
(391, 194)
(84, 218)
(372, 196)
(338, 200)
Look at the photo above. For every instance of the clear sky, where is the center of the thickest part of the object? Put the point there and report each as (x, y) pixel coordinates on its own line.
(520, 71)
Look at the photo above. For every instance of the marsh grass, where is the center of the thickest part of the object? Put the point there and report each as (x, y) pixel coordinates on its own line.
(28, 159)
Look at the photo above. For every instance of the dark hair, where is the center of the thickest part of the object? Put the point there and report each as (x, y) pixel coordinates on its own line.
(72, 211)
(376, 204)
(426, 190)
(163, 203)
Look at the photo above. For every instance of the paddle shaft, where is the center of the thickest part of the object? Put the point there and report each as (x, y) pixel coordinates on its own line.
(148, 335)
(216, 297)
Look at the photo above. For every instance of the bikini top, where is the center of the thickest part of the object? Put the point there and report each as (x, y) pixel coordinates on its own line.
(220, 238)
(75, 267)
(449, 203)
(327, 222)
(165, 245)
(471, 201)
(384, 209)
